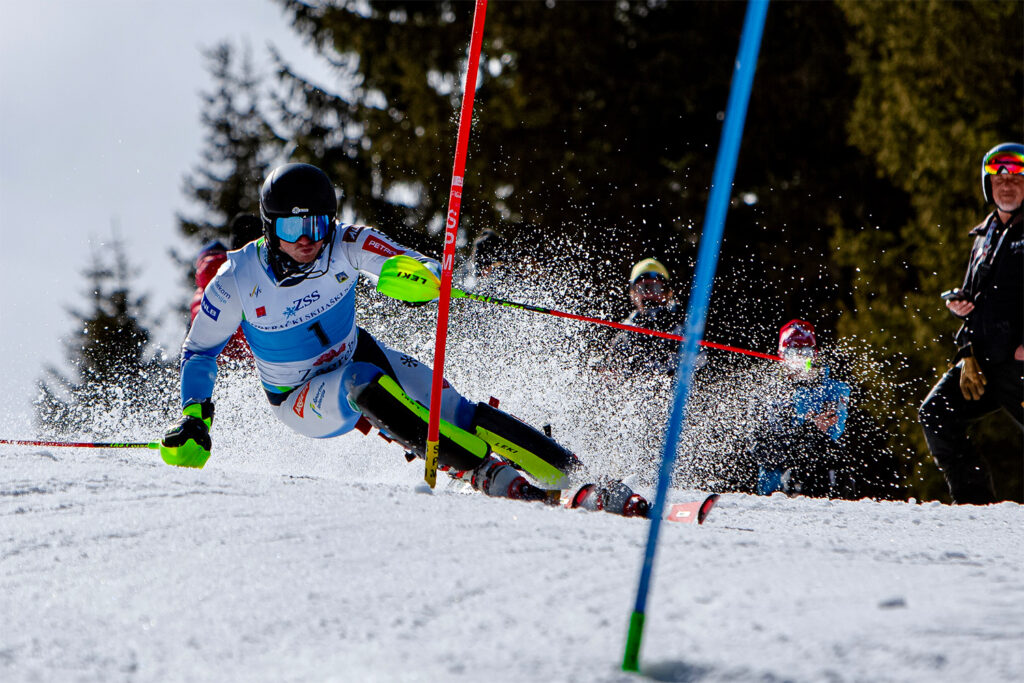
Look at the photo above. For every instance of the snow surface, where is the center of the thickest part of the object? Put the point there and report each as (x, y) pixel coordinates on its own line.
(328, 565)
(293, 559)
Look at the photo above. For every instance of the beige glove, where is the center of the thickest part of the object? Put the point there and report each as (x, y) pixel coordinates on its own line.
(827, 418)
(972, 381)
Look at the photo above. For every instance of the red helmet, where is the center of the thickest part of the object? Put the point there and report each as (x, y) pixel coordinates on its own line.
(797, 334)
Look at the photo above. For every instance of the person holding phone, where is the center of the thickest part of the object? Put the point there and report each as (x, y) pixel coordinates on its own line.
(988, 374)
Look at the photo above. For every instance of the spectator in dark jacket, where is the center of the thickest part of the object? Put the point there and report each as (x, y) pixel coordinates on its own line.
(655, 307)
(989, 371)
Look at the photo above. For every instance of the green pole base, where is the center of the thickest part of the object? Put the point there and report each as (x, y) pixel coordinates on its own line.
(631, 660)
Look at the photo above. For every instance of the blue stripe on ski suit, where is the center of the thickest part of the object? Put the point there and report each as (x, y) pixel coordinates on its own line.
(198, 374)
(282, 346)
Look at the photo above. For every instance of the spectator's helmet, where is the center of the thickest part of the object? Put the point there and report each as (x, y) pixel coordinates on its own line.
(797, 344)
(648, 283)
(1007, 157)
(212, 247)
(296, 200)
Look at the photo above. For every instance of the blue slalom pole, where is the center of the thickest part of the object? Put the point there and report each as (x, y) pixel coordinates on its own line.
(700, 295)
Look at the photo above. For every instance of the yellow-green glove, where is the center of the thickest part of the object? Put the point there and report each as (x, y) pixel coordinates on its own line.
(187, 441)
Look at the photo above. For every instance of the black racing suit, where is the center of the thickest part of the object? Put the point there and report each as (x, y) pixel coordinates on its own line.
(991, 333)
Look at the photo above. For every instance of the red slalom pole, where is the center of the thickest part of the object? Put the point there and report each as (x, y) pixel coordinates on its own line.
(451, 230)
(77, 444)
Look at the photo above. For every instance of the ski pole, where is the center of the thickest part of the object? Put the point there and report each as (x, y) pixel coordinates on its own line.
(451, 231)
(405, 278)
(78, 444)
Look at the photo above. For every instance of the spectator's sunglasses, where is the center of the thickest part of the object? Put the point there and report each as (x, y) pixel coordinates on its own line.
(1004, 162)
(653, 286)
(801, 357)
(291, 228)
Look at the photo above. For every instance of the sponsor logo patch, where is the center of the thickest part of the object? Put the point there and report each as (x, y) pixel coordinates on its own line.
(300, 402)
(261, 311)
(318, 399)
(295, 318)
(330, 355)
(341, 278)
(352, 233)
(209, 309)
(299, 304)
(380, 247)
(220, 290)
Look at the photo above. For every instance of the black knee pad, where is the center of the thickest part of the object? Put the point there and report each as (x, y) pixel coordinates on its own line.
(527, 447)
(391, 410)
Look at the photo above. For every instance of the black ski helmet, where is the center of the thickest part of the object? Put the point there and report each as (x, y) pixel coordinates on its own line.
(294, 190)
(1010, 152)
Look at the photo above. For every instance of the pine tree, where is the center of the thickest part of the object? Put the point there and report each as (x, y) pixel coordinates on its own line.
(240, 144)
(116, 378)
(597, 123)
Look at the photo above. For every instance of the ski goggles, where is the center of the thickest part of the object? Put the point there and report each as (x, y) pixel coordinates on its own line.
(798, 357)
(1004, 162)
(291, 228)
(649, 286)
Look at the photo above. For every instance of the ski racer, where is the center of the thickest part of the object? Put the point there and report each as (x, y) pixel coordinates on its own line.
(799, 453)
(988, 374)
(293, 293)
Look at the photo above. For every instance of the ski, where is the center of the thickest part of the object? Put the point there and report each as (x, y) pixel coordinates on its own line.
(694, 511)
(685, 513)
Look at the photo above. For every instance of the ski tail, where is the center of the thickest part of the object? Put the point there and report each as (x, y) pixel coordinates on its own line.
(695, 511)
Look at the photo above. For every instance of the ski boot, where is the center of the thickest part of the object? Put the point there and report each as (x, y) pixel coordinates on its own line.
(614, 497)
(496, 477)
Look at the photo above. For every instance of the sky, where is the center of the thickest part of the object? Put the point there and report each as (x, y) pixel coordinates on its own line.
(99, 124)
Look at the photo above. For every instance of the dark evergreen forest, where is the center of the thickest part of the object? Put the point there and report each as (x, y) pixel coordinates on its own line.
(594, 136)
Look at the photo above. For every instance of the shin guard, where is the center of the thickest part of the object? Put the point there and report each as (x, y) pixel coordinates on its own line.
(530, 449)
(391, 410)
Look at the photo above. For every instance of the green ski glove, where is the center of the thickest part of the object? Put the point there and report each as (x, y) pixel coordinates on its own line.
(187, 441)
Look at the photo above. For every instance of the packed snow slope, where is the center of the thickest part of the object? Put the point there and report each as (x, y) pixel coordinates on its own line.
(293, 559)
(325, 564)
